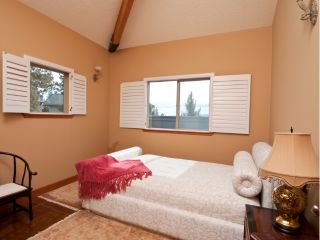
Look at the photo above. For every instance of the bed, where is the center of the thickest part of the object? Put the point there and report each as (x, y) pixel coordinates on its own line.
(184, 199)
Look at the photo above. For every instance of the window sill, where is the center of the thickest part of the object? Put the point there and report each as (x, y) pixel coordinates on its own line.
(47, 115)
(178, 131)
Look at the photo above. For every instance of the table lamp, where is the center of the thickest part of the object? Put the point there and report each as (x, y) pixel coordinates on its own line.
(293, 163)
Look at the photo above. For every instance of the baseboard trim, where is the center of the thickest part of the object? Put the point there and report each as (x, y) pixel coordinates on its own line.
(48, 188)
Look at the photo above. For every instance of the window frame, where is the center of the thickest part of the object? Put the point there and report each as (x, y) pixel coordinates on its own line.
(16, 86)
(59, 68)
(179, 79)
(229, 105)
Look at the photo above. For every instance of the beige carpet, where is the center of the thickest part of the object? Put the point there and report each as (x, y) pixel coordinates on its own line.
(86, 225)
(66, 195)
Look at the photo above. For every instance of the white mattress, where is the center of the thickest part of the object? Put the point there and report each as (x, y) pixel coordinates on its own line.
(185, 199)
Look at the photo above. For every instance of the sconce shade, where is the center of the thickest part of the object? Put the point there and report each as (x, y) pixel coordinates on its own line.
(292, 159)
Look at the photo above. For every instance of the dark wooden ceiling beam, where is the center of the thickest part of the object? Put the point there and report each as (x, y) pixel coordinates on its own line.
(123, 15)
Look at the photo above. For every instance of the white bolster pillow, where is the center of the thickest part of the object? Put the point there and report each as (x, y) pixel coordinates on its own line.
(260, 152)
(127, 154)
(245, 179)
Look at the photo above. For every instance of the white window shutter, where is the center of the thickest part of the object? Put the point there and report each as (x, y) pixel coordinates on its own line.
(230, 104)
(15, 84)
(78, 94)
(133, 105)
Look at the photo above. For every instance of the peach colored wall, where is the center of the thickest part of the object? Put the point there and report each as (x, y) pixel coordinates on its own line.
(53, 145)
(295, 81)
(231, 53)
(295, 73)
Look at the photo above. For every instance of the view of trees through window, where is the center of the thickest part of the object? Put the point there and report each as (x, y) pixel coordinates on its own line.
(193, 105)
(46, 90)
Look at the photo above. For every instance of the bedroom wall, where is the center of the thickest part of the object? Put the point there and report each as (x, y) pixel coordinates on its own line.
(230, 53)
(295, 81)
(295, 73)
(52, 145)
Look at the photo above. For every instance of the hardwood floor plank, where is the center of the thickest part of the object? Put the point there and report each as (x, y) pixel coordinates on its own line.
(17, 226)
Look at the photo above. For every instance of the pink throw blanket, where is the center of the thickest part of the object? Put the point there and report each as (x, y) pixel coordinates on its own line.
(101, 175)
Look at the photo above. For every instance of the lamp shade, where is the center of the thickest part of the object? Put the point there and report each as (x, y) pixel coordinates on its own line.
(292, 159)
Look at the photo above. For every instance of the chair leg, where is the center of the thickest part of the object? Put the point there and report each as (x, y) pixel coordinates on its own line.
(30, 207)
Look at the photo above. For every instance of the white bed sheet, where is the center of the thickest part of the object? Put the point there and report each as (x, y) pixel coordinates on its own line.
(185, 199)
(164, 166)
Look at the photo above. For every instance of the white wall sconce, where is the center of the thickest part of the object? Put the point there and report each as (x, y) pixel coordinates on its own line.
(311, 13)
(97, 73)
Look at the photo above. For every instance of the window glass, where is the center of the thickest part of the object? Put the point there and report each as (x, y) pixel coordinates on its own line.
(194, 105)
(189, 98)
(47, 90)
(162, 104)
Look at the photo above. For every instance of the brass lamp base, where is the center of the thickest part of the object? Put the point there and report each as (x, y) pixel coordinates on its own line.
(290, 202)
(282, 225)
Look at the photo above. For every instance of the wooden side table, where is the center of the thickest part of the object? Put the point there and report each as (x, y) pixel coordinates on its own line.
(258, 226)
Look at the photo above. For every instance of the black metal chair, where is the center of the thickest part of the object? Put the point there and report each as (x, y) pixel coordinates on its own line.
(20, 185)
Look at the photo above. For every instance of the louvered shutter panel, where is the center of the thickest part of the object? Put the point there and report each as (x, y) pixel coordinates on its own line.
(133, 105)
(78, 94)
(230, 104)
(15, 84)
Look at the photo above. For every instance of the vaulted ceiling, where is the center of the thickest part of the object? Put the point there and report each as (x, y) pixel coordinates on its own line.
(155, 21)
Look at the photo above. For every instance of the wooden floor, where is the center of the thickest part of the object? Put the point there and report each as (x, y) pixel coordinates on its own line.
(17, 226)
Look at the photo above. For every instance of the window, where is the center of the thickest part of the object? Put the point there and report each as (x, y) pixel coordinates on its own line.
(162, 110)
(35, 86)
(47, 90)
(194, 105)
(185, 105)
(195, 102)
